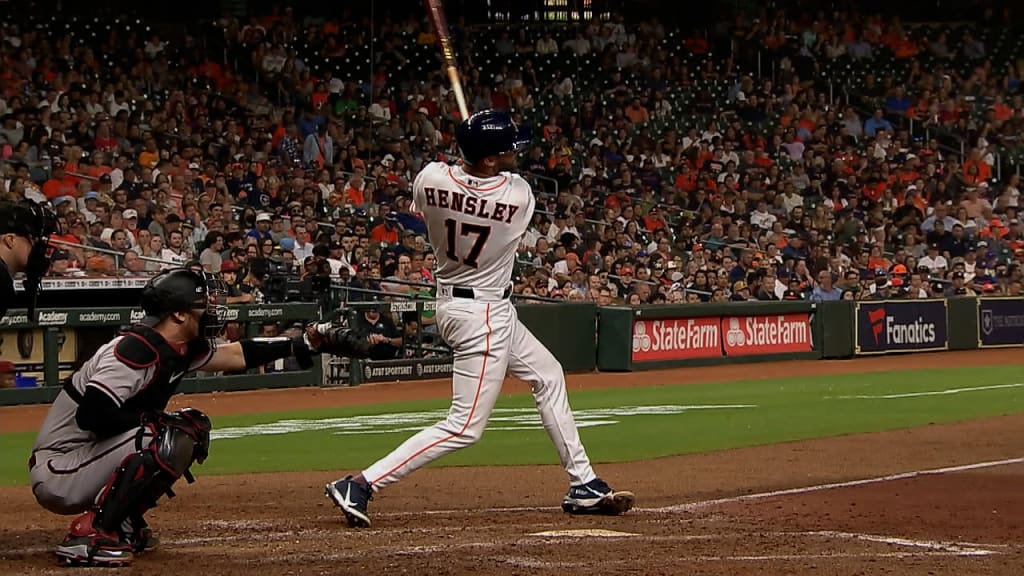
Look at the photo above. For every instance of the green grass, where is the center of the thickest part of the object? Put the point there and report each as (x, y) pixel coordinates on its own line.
(786, 409)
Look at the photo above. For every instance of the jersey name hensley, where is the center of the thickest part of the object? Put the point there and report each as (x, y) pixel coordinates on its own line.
(470, 205)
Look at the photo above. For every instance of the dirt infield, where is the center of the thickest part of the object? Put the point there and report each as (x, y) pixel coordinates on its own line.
(708, 514)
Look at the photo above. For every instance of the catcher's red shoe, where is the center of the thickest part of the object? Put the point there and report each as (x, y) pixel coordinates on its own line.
(85, 545)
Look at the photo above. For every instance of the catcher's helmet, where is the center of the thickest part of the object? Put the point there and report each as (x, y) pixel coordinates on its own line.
(489, 133)
(180, 290)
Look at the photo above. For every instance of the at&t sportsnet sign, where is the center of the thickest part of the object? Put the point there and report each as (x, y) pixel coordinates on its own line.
(718, 336)
(901, 326)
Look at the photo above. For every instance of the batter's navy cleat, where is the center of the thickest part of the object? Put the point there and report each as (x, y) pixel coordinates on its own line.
(353, 498)
(596, 497)
(85, 545)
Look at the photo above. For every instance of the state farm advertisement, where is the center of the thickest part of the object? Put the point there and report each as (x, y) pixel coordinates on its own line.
(774, 334)
(676, 339)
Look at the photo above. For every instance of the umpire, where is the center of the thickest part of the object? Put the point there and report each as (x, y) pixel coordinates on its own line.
(108, 450)
(25, 229)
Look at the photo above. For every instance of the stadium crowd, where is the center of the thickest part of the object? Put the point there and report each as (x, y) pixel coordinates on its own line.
(665, 175)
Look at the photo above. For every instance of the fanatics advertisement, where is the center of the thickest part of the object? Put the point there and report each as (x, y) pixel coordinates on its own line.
(901, 326)
(718, 336)
(1000, 322)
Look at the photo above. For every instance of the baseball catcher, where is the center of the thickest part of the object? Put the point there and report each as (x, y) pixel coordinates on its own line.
(108, 450)
(25, 229)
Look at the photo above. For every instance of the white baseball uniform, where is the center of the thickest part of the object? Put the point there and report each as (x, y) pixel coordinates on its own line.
(475, 226)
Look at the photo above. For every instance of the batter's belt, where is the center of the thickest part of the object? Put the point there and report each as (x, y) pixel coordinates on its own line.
(471, 294)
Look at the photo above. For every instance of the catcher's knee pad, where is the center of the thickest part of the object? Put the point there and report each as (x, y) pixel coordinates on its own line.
(174, 450)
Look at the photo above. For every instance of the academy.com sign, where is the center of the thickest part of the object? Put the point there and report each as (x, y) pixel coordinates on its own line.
(901, 325)
(717, 336)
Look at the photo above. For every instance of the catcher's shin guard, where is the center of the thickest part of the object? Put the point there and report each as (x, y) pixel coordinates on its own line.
(143, 477)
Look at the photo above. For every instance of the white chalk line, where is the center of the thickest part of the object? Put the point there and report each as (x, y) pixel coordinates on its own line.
(946, 392)
(958, 548)
(692, 506)
(524, 562)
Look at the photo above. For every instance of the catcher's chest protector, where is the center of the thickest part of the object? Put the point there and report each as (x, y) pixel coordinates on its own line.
(143, 348)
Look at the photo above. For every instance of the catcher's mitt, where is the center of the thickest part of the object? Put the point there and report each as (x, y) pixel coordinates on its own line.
(329, 339)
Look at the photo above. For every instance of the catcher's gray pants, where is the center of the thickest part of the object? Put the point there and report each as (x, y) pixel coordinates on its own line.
(69, 482)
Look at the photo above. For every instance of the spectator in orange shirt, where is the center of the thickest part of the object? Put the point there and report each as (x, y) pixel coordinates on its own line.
(387, 231)
(355, 187)
(637, 113)
(59, 184)
(653, 220)
(150, 155)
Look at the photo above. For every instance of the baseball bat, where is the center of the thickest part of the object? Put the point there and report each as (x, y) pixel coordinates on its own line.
(436, 11)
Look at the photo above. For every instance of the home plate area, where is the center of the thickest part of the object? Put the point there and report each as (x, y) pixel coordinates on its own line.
(544, 542)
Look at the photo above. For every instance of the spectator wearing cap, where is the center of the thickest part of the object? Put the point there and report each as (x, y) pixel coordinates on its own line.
(8, 374)
(740, 292)
(407, 244)
(87, 206)
(95, 237)
(59, 263)
(229, 274)
(261, 229)
(59, 184)
(386, 231)
(882, 289)
(407, 219)
(935, 261)
(331, 252)
(958, 286)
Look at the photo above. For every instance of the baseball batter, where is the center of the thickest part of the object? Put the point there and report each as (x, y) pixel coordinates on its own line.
(476, 215)
(108, 451)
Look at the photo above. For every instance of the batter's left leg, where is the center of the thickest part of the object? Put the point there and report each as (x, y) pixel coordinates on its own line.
(532, 362)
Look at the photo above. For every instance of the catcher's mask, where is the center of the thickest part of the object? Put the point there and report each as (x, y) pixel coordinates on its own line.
(36, 222)
(180, 290)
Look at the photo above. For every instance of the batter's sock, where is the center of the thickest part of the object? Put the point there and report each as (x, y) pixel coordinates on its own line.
(361, 480)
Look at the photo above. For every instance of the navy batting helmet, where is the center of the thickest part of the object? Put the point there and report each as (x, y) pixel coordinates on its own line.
(180, 290)
(489, 133)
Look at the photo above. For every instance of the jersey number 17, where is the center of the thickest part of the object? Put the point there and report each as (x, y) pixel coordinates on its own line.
(456, 230)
